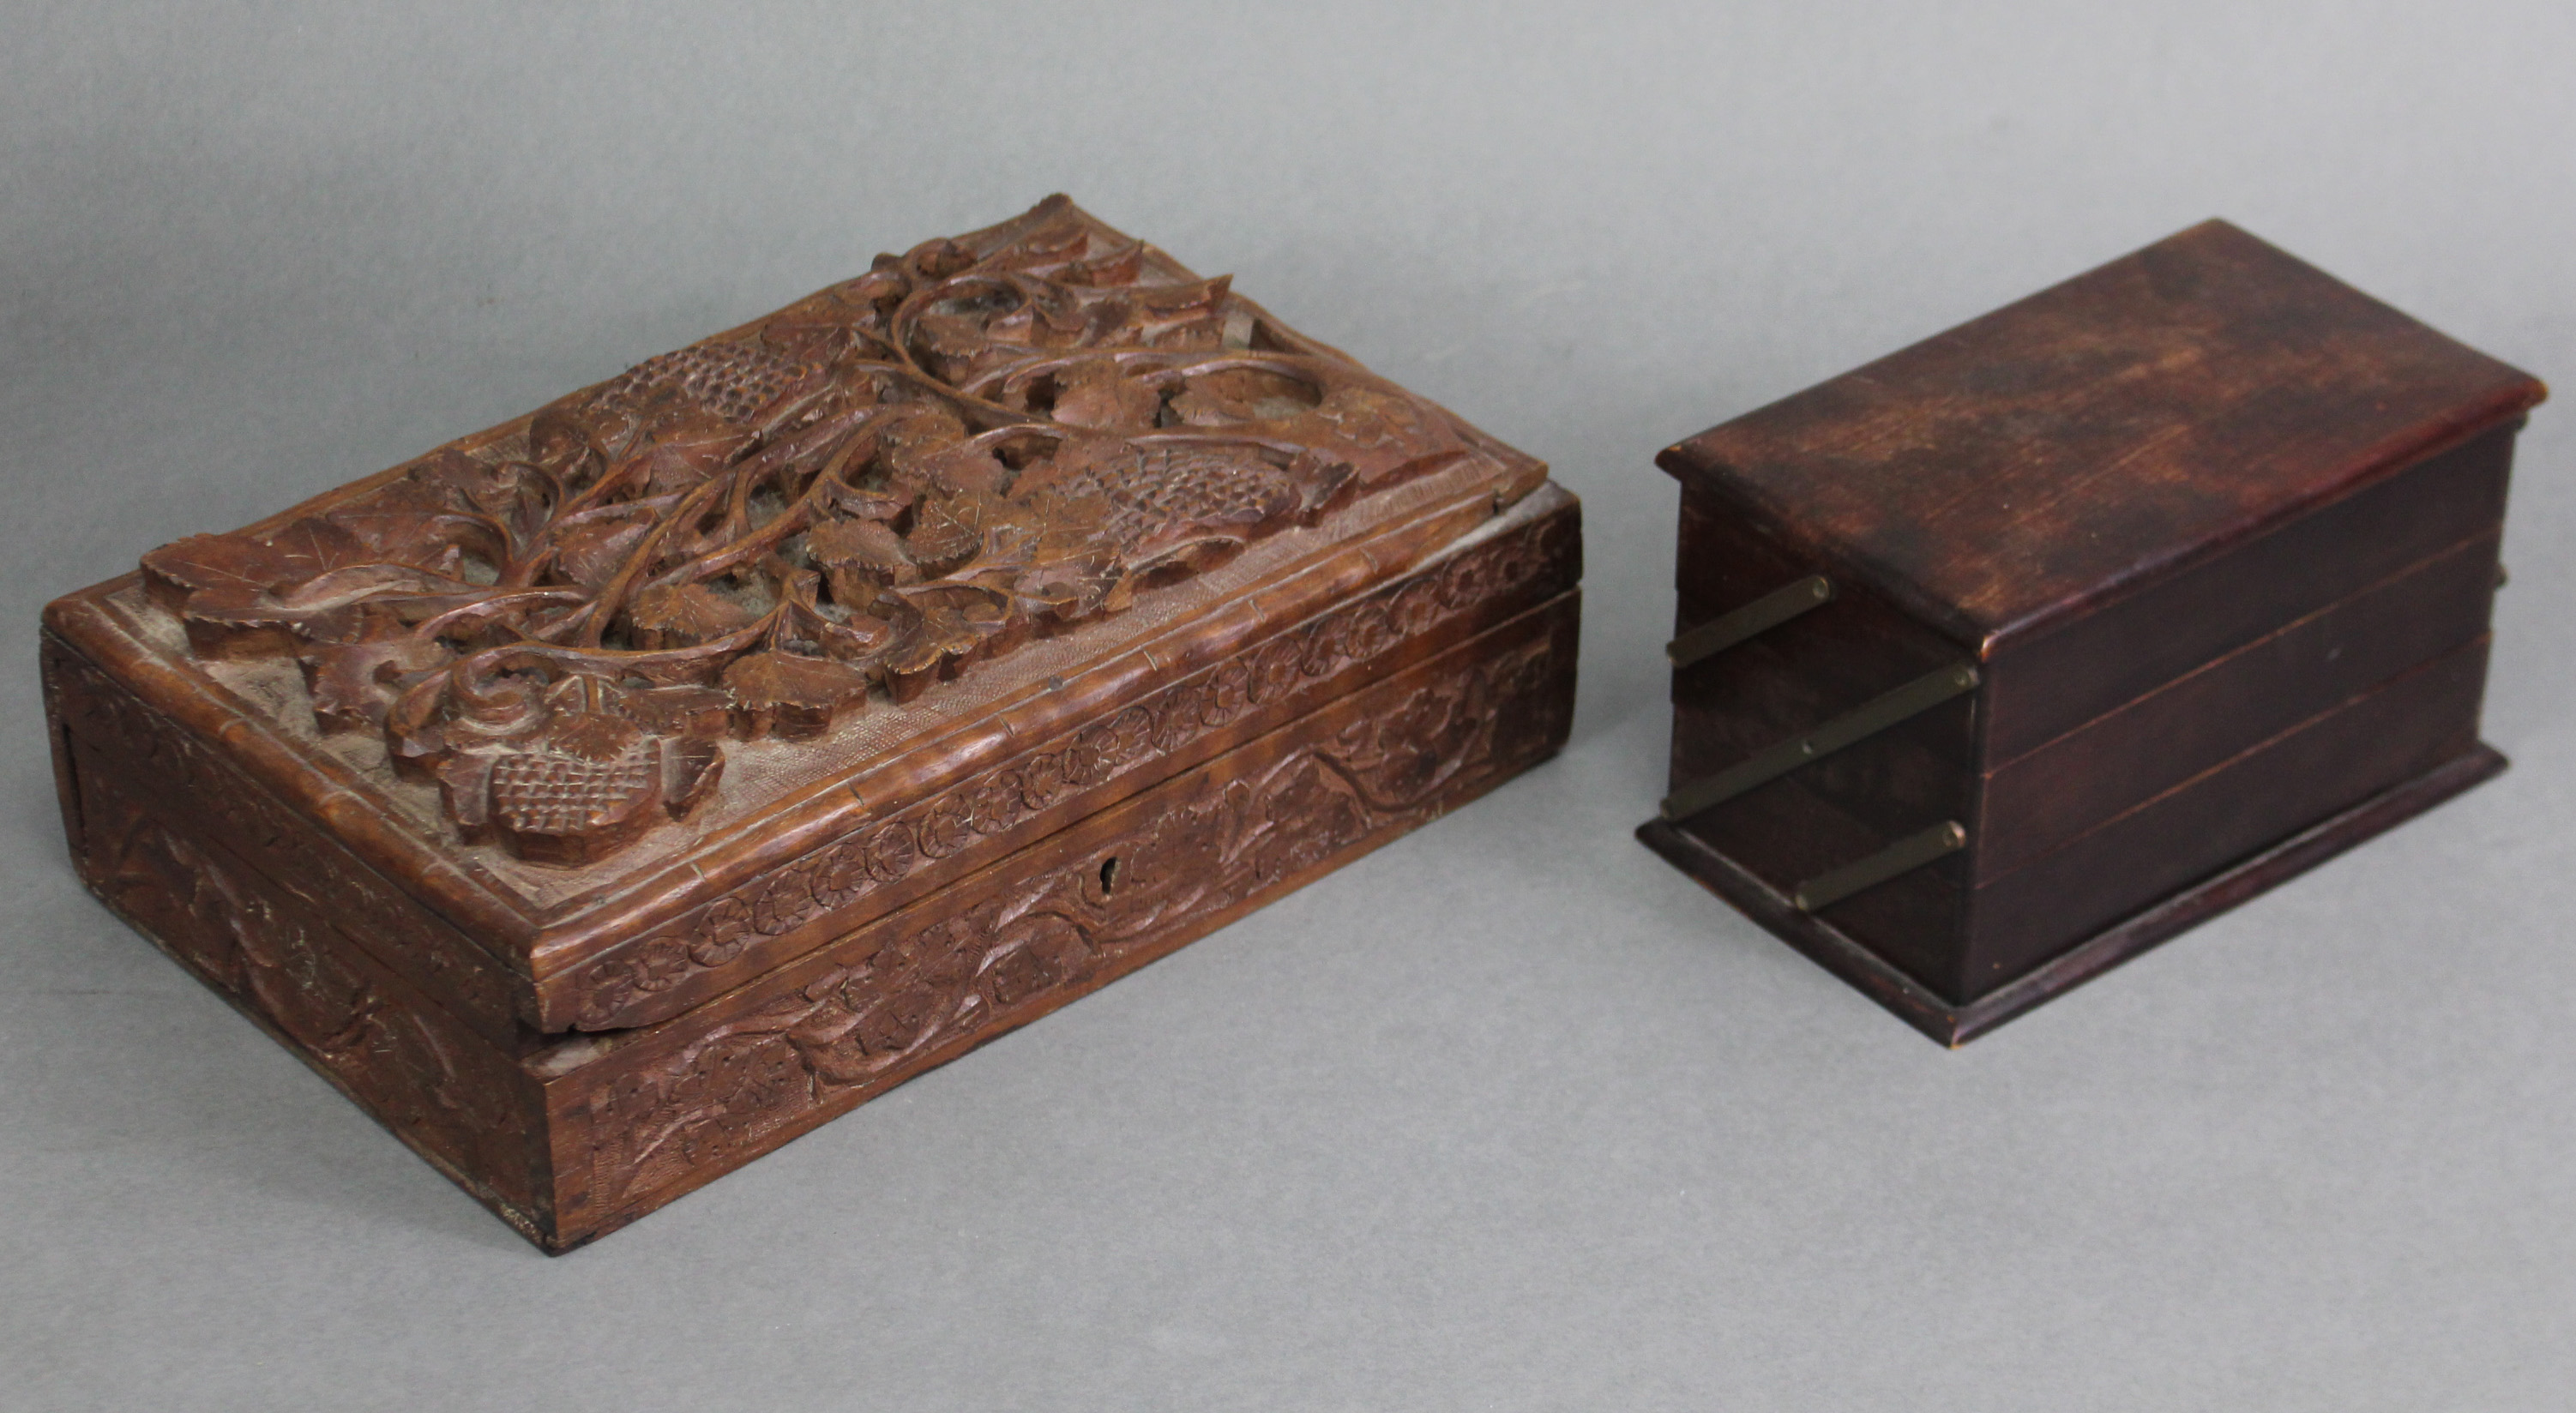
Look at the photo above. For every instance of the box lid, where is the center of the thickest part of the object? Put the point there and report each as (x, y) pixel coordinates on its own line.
(2003, 477)
(792, 576)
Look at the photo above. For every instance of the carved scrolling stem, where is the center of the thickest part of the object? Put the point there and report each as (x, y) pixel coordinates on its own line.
(982, 440)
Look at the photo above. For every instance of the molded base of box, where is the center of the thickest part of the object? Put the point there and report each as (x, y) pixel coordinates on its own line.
(1957, 1024)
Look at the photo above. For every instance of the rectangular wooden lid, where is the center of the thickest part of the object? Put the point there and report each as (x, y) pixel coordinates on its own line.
(2022, 468)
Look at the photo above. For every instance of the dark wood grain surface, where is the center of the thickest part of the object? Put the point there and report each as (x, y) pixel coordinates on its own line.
(2415, 723)
(2039, 461)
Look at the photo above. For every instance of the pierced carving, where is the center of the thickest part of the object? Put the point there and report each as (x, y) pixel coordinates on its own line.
(983, 440)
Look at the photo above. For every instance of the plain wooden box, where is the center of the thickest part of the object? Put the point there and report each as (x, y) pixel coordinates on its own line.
(2195, 552)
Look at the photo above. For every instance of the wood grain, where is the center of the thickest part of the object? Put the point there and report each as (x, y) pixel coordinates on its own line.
(2038, 462)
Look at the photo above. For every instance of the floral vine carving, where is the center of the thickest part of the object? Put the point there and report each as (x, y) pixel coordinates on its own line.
(145, 746)
(623, 988)
(261, 946)
(917, 989)
(986, 439)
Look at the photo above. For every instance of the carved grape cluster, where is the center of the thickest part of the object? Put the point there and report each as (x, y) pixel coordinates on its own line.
(981, 441)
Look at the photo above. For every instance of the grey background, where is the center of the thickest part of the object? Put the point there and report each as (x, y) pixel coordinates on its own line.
(1509, 1115)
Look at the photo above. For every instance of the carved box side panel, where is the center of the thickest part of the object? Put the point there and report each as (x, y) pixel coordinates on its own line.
(893, 859)
(98, 724)
(688, 1101)
(453, 1097)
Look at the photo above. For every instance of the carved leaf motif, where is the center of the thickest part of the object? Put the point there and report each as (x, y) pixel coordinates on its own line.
(1069, 590)
(858, 638)
(946, 532)
(309, 581)
(860, 556)
(1244, 393)
(684, 615)
(684, 449)
(1057, 417)
(779, 694)
(511, 498)
(590, 554)
(410, 523)
(244, 569)
(354, 684)
(942, 639)
(341, 588)
(1097, 395)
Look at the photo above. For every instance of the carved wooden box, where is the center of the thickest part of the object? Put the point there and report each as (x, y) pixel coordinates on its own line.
(2016, 652)
(607, 798)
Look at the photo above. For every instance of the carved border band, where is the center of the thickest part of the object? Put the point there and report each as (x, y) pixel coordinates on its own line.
(923, 985)
(660, 974)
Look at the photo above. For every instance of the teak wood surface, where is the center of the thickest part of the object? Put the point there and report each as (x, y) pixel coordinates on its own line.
(607, 797)
(2217, 536)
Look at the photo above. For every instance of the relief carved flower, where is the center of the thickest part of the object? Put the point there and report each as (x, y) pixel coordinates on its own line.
(659, 964)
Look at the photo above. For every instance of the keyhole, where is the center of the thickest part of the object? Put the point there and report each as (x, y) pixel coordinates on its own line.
(1108, 875)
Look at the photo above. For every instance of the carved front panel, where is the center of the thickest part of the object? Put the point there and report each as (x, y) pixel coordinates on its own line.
(891, 859)
(922, 986)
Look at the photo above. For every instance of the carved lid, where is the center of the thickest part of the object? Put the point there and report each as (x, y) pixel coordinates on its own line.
(820, 561)
(2021, 468)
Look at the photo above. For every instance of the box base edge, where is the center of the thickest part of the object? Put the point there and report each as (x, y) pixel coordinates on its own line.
(1955, 1024)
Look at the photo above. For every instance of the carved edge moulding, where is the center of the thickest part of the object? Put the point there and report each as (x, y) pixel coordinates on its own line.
(607, 798)
(609, 665)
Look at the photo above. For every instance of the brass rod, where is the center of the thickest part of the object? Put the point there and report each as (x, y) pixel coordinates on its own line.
(1902, 857)
(1760, 616)
(1911, 700)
